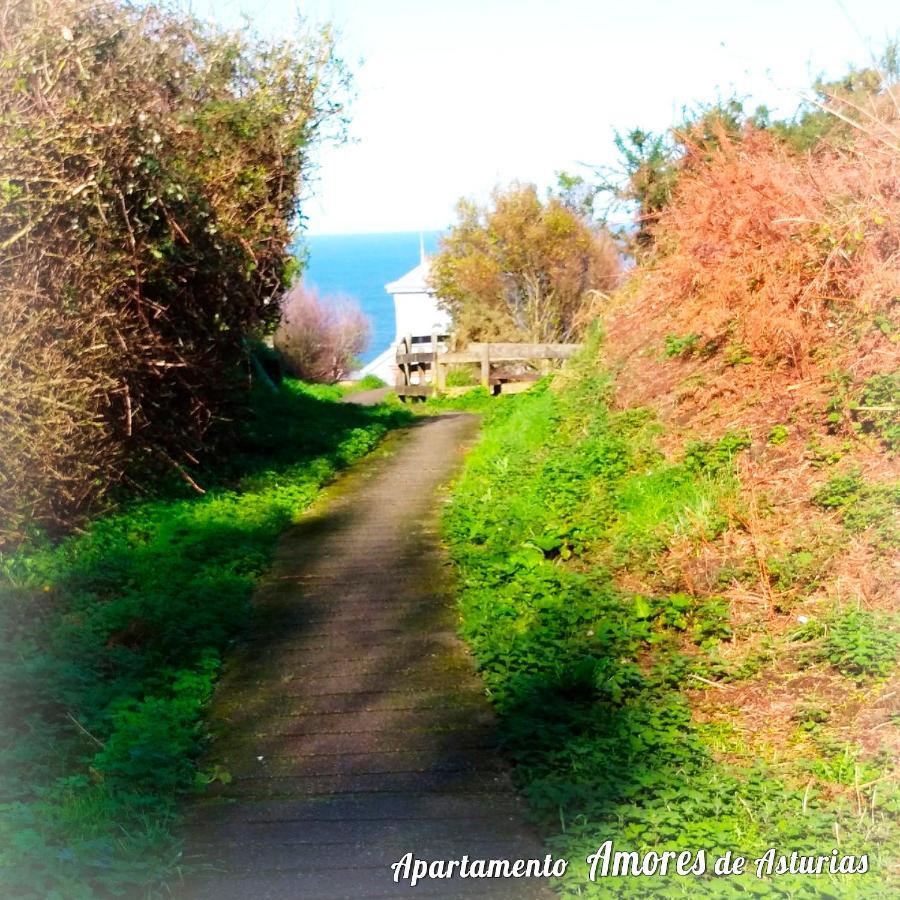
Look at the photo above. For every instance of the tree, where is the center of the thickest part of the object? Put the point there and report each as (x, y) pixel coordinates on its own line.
(576, 194)
(521, 269)
(320, 338)
(651, 163)
(832, 115)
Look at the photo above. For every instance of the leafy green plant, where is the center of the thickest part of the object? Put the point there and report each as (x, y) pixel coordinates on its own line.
(884, 324)
(863, 505)
(836, 407)
(112, 641)
(778, 435)
(682, 346)
(736, 354)
(840, 491)
(587, 679)
(810, 716)
(825, 454)
(715, 457)
(860, 644)
(857, 643)
(711, 622)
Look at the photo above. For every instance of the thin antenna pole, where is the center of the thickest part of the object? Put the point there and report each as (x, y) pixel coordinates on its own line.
(421, 247)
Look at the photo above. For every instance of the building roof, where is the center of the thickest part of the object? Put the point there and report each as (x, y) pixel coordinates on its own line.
(413, 282)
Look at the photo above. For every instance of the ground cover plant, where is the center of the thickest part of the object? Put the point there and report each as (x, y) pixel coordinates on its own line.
(593, 656)
(112, 639)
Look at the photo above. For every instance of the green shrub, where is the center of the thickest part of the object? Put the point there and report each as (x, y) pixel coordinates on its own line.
(738, 355)
(715, 457)
(369, 383)
(863, 506)
(860, 644)
(840, 491)
(682, 346)
(802, 567)
(836, 407)
(857, 643)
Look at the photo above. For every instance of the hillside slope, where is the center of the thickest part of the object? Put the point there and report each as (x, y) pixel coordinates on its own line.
(677, 561)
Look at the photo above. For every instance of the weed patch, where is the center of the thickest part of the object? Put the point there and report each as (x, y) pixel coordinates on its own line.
(857, 643)
(878, 409)
(476, 400)
(863, 506)
(684, 345)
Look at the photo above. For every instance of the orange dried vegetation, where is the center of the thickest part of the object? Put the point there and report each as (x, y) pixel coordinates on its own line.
(771, 271)
(778, 247)
(772, 258)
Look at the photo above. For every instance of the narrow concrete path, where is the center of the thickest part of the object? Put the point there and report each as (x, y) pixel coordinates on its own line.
(353, 724)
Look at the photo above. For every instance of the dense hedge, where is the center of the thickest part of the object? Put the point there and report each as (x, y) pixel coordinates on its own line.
(150, 170)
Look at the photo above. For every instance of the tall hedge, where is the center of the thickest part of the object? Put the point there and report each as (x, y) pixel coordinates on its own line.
(150, 173)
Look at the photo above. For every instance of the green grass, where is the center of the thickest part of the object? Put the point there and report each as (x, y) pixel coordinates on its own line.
(476, 400)
(368, 383)
(461, 376)
(113, 639)
(588, 680)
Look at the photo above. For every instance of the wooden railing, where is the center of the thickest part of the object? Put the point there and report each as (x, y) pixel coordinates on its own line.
(423, 362)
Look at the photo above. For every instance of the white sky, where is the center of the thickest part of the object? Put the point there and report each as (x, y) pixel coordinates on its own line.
(456, 96)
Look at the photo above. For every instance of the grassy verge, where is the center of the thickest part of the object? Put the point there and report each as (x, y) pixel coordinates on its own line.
(112, 640)
(562, 517)
(476, 400)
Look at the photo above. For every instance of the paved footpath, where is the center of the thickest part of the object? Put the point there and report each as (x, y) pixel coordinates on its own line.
(353, 724)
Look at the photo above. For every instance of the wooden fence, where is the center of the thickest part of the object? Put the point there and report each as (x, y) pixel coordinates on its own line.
(424, 360)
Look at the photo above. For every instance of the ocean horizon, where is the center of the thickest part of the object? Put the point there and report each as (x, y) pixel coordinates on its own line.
(358, 266)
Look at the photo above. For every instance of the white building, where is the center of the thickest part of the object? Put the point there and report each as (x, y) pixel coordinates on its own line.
(416, 312)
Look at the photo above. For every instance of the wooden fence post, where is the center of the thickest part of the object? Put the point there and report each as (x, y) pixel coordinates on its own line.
(408, 363)
(434, 362)
(485, 351)
(398, 366)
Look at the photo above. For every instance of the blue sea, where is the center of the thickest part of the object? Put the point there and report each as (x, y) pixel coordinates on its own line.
(358, 266)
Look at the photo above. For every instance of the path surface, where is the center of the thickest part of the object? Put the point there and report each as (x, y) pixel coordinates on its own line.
(367, 398)
(353, 724)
